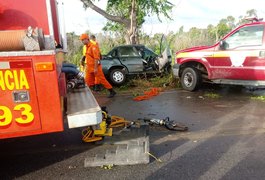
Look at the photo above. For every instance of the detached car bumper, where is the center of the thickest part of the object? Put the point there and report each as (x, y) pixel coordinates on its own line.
(176, 70)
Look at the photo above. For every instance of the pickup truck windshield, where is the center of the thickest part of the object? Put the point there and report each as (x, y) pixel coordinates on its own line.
(247, 36)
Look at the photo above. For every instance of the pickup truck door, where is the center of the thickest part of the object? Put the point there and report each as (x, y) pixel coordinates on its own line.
(241, 56)
(130, 58)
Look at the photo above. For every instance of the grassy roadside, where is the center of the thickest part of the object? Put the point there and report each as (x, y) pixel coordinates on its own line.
(258, 98)
(138, 85)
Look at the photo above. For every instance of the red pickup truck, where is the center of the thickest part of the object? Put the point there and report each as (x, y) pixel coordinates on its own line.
(237, 59)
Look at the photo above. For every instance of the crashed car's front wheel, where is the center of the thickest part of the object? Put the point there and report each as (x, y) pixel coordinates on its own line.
(190, 79)
(117, 77)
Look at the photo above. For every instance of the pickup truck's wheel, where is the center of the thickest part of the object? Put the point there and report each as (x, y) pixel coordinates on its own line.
(190, 79)
(117, 76)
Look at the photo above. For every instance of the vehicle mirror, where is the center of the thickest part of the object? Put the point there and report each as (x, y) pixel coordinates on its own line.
(223, 45)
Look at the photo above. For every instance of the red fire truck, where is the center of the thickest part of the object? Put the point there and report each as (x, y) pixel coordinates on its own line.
(32, 86)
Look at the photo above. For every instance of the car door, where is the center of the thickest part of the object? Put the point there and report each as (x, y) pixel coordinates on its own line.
(110, 60)
(241, 55)
(130, 58)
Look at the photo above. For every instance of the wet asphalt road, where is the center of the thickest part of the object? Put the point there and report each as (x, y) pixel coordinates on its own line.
(225, 141)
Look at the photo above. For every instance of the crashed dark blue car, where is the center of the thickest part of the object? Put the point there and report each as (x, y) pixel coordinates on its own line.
(129, 60)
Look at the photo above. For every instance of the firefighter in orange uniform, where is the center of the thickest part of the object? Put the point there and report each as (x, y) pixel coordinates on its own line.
(97, 80)
(94, 73)
(83, 61)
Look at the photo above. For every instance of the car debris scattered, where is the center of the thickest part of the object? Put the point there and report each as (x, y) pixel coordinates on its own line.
(169, 124)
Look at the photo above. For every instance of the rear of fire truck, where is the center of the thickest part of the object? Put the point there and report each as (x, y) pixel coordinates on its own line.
(32, 87)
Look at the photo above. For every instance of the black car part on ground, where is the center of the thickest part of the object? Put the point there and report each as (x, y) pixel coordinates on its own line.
(169, 124)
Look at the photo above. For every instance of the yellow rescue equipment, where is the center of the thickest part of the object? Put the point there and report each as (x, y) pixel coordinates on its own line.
(105, 128)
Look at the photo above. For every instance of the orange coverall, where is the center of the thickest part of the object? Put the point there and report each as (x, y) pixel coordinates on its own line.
(97, 80)
(92, 57)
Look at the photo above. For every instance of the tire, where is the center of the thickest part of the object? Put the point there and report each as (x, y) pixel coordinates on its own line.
(117, 77)
(190, 79)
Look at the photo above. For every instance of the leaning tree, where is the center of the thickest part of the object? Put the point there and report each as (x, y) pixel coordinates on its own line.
(127, 16)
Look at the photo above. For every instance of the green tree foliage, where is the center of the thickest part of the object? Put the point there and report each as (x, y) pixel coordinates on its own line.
(222, 28)
(75, 46)
(127, 16)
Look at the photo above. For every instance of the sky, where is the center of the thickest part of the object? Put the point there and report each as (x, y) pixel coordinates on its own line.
(187, 13)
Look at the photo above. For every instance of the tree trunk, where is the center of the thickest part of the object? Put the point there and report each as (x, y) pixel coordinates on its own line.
(130, 24)
(133, 24)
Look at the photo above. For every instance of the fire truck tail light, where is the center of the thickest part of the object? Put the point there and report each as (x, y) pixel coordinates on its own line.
(44, 66)
(21, 96)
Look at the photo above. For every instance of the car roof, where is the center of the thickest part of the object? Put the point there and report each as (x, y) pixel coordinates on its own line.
(130, 45)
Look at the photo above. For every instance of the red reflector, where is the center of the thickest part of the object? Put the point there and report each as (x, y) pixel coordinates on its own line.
(44, 66)
(19, 64)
